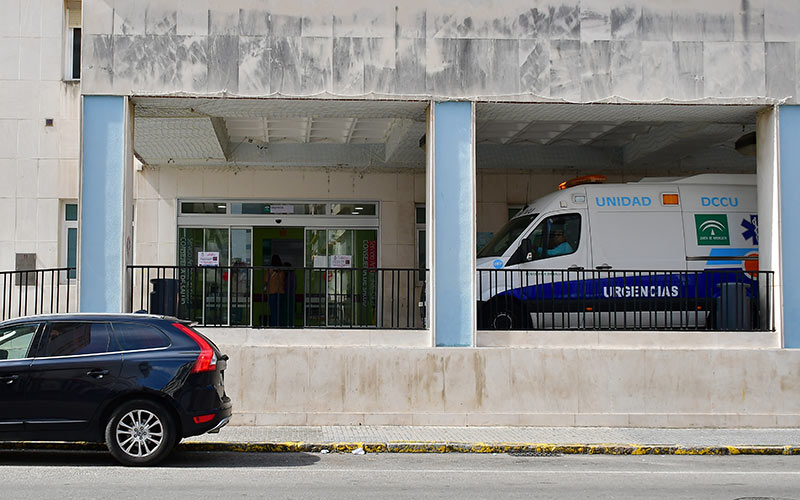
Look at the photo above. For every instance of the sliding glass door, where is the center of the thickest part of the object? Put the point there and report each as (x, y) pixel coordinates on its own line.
(342, 291)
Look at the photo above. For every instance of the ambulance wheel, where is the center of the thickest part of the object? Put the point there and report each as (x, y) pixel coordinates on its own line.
(509, 317)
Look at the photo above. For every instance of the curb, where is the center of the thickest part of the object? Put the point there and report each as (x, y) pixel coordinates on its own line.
(434, 447)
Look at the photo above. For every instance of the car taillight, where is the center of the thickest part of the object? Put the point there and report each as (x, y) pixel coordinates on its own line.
(207, 360)
(204, 418)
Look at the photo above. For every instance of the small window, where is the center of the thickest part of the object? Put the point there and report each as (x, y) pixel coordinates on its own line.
(513, 210)
(419, 228)
(134, 337)
(252, 208)
(354, 209)
(73, 339)
(189, 207)
(69, 238)
(73, 42)
(15, 341)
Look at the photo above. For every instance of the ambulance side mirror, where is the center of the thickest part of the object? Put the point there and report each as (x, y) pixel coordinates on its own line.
(527, 251)
(522, 254)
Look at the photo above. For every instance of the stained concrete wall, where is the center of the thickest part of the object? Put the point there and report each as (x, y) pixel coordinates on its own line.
(373, 385)
(584, 50)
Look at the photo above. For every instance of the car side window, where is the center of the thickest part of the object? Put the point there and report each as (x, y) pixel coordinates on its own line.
(556, 235)
(75, 338)
(15, 341)
(132, 337)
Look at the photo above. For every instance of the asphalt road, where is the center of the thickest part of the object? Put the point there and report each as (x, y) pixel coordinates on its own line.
(192, 475)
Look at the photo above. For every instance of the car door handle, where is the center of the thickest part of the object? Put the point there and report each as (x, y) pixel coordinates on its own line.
(604, 267)
(97, 373)
(10, 379)
(575, 268)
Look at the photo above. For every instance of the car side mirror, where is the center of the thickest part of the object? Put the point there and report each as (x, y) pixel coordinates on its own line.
(3, 354)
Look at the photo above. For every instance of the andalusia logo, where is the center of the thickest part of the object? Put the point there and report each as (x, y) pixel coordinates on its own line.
(712, 229)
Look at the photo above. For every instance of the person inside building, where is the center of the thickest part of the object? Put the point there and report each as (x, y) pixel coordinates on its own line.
(275, 284)
(291, 290)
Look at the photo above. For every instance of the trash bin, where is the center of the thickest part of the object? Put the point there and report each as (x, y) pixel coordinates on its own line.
(734, 307)
(164, 297)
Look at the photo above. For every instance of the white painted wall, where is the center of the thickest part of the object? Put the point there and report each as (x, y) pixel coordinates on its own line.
(38, 164)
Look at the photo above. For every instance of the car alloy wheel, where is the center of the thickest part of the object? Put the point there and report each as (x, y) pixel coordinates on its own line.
(140, 433)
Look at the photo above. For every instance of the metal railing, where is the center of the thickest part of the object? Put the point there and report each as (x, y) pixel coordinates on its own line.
(40, 291)
(280, 297)
(722, 300)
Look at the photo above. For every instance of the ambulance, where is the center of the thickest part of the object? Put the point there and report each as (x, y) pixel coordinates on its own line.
(660, 253)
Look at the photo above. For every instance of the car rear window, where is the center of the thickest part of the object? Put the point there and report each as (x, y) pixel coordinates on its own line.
(132, 337)
(74, 338)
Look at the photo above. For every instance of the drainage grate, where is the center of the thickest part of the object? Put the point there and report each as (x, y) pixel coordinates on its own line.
(762, 498)
(534, 454)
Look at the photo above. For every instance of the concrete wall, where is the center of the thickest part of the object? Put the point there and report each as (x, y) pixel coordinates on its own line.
(38, 164)
(583, 50)
(374, 385)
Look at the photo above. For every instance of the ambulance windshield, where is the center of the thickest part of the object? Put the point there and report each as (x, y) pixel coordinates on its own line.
(507, 235)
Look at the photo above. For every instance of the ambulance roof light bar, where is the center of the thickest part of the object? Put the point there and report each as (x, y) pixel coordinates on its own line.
(586, 179)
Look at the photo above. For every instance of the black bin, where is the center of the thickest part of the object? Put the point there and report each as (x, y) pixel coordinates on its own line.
(164, 297)
(734, 306)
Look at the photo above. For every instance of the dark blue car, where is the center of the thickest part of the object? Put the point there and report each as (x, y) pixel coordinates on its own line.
(139, 383)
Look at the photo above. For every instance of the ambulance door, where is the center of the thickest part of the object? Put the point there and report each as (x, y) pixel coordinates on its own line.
(558, 241)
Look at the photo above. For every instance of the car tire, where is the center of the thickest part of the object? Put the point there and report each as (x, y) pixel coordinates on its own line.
(140, 433)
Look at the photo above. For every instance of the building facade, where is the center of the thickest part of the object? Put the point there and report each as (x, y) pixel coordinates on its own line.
(399, 136)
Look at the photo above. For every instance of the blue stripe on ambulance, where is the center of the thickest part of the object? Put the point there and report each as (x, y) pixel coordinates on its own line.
(642, 287)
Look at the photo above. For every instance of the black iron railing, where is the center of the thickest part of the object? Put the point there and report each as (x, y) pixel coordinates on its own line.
(40, 291)
(281, 297)
(722, 300)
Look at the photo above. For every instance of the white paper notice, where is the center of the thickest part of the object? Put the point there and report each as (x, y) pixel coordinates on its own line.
(341, 261)
(320, 261)
(208, 259)
(282, 209)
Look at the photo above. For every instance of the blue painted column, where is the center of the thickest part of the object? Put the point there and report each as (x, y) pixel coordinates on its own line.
(789, 146)
(451, 198)
(103, 194)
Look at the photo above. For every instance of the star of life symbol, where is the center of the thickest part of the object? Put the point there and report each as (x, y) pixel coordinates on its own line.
(751, 229)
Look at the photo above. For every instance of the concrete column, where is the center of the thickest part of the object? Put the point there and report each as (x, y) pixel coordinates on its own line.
(451, 185)
(769, 215)
(105, 203)
(789, 226)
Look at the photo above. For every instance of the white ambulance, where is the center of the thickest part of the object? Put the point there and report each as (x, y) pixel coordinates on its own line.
(654, 254)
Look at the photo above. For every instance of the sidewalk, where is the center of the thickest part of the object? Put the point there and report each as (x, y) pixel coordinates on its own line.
(567, 440)
(528, 440)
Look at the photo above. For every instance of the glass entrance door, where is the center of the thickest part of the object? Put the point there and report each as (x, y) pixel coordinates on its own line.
(204, 292)
(277, 291)
(342, 291)
(240, 276)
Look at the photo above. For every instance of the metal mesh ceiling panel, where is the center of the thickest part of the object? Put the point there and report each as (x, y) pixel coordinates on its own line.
(279, 108)
(308, 129)
(176, 138)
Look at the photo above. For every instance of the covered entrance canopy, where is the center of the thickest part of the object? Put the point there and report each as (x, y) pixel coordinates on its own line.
(388, 134)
